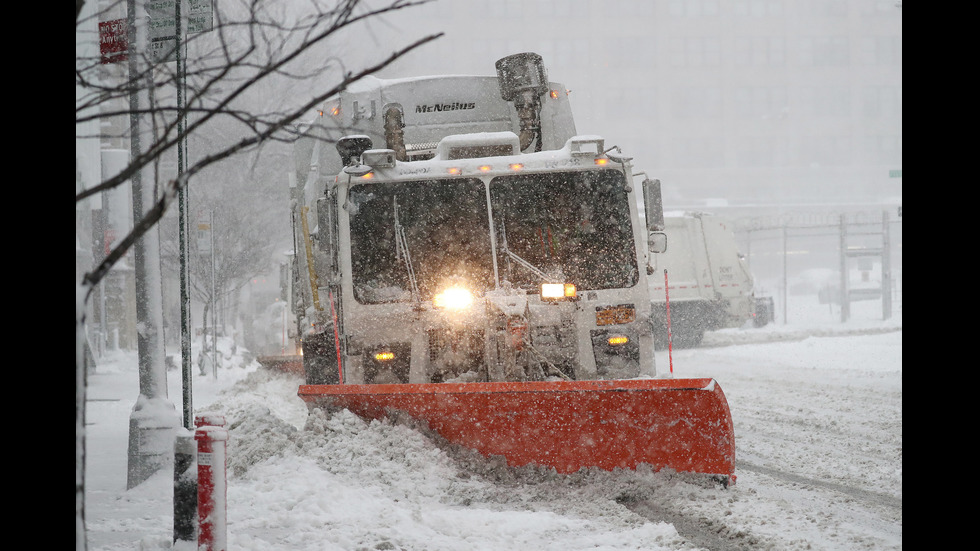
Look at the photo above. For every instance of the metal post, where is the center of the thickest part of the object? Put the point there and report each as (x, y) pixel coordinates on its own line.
(845, 305)
(185, 488)
(214, 306)
(886, 268)
(182, 201)
(785, 278)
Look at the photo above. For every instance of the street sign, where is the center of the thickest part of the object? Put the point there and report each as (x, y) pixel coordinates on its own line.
(113, 41)
(200, 16)
(204, 238)
(162, 30)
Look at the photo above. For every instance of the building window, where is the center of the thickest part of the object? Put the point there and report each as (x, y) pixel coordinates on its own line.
(760, 51)
(882, 102)
(636, 104)
(695, 52)
(760, 102)
(884, 150)
(825, 101)
(824, 8)
(826, 150)
(698, 152)
(762, 151)
(881, 50)
(758, 8)
(693, 8)
(697, 103)
(824, 51)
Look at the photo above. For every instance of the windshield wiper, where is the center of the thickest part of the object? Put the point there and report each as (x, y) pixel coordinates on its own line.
(402, 253)
(513, 256)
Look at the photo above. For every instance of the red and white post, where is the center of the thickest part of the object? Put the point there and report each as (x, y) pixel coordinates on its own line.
(212, 482)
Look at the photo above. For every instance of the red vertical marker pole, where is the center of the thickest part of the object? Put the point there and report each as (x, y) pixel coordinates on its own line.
(336, 340)
(212, 489)
(670, 341)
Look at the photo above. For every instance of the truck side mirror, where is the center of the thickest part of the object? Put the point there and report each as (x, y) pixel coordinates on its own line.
(653, 205)
(657, 241)
(326, 232)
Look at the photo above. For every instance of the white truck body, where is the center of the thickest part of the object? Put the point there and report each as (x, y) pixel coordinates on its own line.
(451, 186)
(710, 285)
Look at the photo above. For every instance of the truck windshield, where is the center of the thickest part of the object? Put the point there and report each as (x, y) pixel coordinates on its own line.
(569, 225)
(411, 240)
(425, 235)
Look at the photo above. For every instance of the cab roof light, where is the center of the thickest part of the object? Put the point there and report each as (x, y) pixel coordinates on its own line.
(587, 146)
(378, 158)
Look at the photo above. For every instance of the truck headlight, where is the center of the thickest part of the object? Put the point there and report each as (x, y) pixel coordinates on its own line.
(558, 291)
(453, 298)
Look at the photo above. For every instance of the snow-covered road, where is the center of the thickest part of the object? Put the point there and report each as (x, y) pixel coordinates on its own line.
(818, 428)
(818, 424)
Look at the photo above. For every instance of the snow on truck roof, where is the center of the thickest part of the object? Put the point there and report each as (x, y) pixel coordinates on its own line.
(504, 156)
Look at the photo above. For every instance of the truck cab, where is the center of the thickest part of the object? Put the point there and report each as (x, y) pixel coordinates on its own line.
(472, 236)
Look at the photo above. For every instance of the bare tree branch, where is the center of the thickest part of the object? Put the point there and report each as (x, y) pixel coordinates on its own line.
(159, 208)
(342, 18)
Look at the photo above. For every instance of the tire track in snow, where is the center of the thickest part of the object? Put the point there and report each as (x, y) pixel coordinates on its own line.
(701, 532)
(873, 498)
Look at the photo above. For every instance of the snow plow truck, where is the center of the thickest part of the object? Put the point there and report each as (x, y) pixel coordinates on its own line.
(465, 257)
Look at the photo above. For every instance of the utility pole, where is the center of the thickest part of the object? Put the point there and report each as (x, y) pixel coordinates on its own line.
(152, 420)
(187, 377)
(214, 305)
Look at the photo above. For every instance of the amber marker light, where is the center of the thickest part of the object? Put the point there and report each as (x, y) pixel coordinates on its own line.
(601, 162)
(616, 340)
(454, 170)
(516, 166)
(384, 356)
(485, 168)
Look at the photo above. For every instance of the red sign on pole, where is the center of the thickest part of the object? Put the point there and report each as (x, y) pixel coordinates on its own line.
(109, 237)
(113, 42)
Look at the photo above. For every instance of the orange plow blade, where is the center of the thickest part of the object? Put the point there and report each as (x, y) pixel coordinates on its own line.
(681, 424)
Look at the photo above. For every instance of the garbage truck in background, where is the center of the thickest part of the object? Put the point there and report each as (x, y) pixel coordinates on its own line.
(464, 256)
(710, 284)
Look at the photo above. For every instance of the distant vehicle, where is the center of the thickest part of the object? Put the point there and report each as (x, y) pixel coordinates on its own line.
(710, 285)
